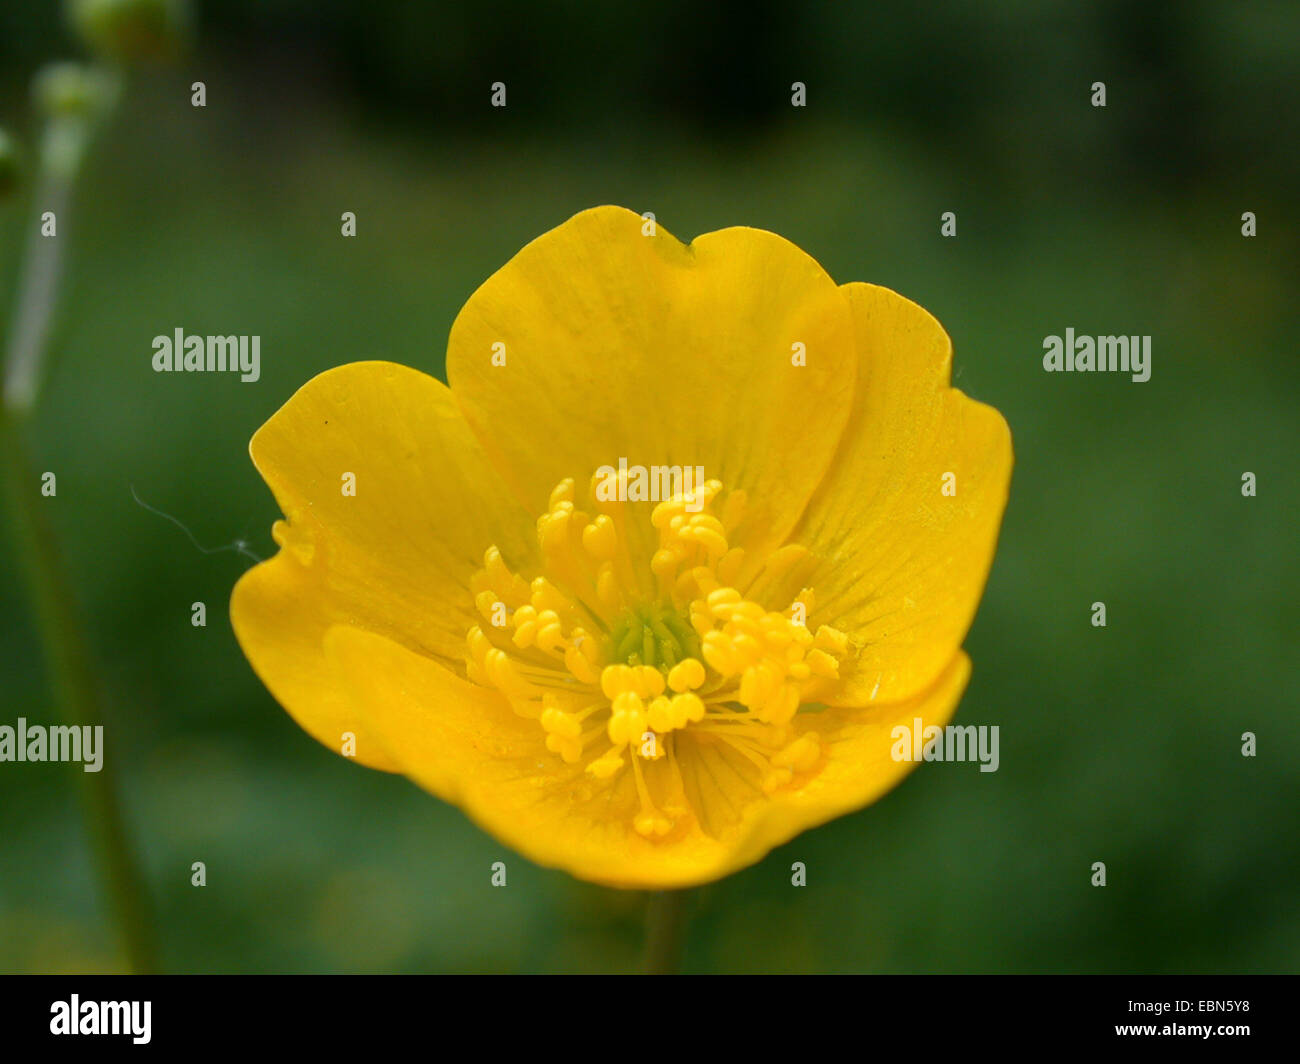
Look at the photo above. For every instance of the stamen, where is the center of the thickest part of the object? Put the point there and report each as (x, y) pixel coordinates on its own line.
(638, 634)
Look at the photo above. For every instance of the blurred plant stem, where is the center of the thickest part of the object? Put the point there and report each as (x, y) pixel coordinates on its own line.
(66, 651)
(38, 286)
(72, 676)
(665, 931)
(63, 147)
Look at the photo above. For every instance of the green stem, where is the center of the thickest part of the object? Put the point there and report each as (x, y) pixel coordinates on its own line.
(67, 655)
(72, 676)
(38, 287)
(64, 143)
(665, 931)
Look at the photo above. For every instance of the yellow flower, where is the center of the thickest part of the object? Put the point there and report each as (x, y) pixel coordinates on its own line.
(659, 679)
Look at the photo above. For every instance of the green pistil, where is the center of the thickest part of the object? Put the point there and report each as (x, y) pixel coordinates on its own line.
(656, 634)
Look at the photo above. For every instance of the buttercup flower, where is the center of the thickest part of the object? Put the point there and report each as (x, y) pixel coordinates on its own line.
(765, 524)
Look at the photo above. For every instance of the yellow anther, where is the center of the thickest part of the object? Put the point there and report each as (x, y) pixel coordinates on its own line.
(599, 538)
(718, 653)
(525, 634)
(776, 779)
(589, 648)
(683, 587)
(707, 523)
(686, 675)
(545, 596)
(661, 517)
(626, 702)
(801, 755)
(660, 715)
(486, 603)
(746, 648)
(701, 619)
(823, 665)
(705, 579)
(553, 530)
(687, 708)
(758, 684)
(777, 638)
(494, 564)
(831, 640)
(652, 825)
(511, 589)
(618, 729)
(627, 719)
(715, 544)
(614, 680)
(550, 633)
(582, 669)
(562, 492)
(607, 765)
(649, 681)
(561, 723)
(569, 749)
(501, 670)
(783, 707)
(684, 503)
(607, 588)
(728, 567)
(524, 620)
(664, 562)
(479, 644)
(722, 600)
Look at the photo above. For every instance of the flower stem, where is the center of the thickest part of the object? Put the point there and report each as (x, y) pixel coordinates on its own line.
(62, 149)
(665, 931)
(72, 675)
(67, 655)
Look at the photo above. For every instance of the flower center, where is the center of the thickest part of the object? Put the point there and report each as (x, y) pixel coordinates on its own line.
(656, 634)
(634, 642)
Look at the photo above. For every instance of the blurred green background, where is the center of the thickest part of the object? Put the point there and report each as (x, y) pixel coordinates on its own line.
(1119, 745)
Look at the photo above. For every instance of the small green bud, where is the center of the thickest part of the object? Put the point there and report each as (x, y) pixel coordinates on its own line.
(11, 164)
(71, 90)
(131, 30)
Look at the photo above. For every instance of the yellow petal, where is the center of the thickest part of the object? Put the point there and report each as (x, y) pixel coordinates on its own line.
(899, 566)
(396, 557)
(463, 743)
(622, 345)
